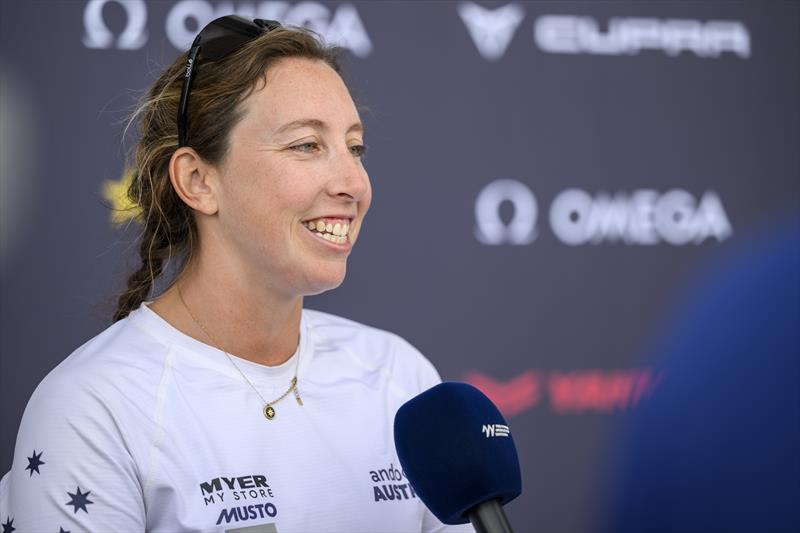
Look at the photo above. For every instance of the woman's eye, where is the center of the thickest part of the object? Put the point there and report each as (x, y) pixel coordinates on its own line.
(308, 147)
(358, 150)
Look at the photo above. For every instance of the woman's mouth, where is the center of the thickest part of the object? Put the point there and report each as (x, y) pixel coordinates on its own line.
(334, 230)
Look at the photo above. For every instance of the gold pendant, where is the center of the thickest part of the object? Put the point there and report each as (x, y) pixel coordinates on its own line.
(297, 396)
(269, 412)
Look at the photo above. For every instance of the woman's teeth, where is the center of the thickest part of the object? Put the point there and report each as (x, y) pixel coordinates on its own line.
(331, 230)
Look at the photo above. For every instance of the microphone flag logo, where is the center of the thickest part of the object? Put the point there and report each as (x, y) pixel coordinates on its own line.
(495, 430)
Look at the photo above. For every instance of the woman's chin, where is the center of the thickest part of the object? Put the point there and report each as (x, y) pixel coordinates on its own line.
(319, 284)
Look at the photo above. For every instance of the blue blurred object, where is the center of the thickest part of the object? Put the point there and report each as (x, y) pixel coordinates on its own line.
(457, 451)
(717, 446)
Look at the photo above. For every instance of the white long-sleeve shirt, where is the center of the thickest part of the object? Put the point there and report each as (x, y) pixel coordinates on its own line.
(146, 429)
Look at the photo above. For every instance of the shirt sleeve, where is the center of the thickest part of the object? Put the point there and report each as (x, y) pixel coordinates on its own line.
(72, 468)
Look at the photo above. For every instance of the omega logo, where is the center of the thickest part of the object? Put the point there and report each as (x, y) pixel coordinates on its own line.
(341, 25)
(640, 217)
(643, 217)
(97, 35)
(490, 228)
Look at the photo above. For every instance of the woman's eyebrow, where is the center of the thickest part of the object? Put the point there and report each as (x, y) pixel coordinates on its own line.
(314, 123)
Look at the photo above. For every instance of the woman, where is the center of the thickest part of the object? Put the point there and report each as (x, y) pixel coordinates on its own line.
(223, 404)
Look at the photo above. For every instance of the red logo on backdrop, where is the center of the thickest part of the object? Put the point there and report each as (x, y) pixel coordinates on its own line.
(573, 392)
(511, 397)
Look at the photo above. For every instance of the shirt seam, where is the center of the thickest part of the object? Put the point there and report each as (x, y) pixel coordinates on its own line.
(397, 390)
(159, 434)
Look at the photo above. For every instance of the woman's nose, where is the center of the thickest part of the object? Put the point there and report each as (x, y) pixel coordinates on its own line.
(349, 177)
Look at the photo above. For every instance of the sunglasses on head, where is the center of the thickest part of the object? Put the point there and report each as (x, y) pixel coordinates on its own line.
(219, 38)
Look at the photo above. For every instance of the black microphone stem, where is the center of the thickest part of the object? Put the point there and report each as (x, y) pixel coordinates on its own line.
(489, 517)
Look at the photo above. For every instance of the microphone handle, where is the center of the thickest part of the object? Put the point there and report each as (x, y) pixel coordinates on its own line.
(489, 517)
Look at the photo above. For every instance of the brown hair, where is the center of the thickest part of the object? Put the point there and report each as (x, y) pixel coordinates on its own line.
(169, 229)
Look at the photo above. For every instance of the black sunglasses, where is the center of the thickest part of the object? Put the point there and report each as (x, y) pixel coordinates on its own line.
(218, 39)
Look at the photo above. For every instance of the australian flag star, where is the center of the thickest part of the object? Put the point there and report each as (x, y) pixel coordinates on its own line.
(34, 463)
(62, 530)
(8, 527)
(79, 500)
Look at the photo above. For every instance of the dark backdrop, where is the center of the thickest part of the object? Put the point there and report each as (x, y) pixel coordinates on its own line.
(547, 178)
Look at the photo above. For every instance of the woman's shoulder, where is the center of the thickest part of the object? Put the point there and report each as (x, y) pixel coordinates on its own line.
(372, 348)
(119, 367)
(91, 421)
(121, 350)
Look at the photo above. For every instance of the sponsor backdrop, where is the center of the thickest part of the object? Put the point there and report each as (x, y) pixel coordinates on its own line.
(548, 177)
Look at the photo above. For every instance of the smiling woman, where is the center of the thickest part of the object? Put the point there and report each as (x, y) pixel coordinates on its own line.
(221, 403)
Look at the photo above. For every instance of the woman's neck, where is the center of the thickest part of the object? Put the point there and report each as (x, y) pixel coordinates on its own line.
(239, 316)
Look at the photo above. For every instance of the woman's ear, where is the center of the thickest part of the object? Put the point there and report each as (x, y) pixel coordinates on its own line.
(194, 180)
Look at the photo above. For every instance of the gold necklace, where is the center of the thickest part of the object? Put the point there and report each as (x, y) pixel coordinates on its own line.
(269, 410)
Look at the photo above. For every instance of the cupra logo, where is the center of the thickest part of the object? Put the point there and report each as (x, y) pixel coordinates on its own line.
(491, 29)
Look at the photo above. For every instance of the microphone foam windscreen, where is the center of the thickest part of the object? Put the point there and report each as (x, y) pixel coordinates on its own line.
(456, 450)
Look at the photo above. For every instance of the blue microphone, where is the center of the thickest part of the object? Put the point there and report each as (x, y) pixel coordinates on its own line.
(459, 456)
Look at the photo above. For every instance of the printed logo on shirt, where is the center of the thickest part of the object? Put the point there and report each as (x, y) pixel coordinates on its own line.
(388, 486)
(247, 512)
(247, 489)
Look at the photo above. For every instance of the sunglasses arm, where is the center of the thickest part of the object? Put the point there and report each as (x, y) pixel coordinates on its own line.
(187, 83)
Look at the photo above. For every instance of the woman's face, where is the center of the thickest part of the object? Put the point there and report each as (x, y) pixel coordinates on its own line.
(294, 163)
